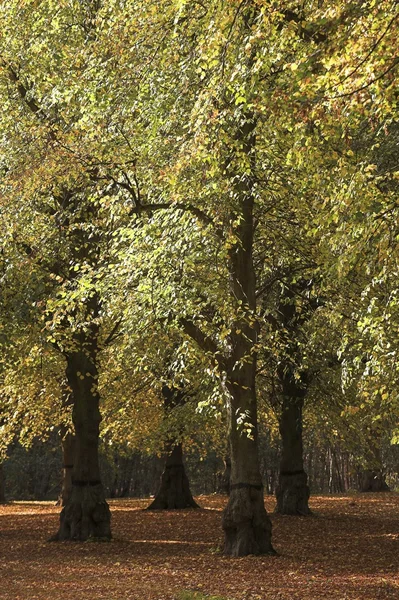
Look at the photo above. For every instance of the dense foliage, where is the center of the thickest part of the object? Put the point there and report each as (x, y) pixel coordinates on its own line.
(202, 195)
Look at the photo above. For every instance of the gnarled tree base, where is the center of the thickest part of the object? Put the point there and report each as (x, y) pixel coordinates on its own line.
(86, 515)
(373, 481)
(174, 492)
(246, 525)
(293, 494)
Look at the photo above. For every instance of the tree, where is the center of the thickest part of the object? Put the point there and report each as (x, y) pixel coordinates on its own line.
(70, 200)
(293, 379)
(174, 490)
(196, 192)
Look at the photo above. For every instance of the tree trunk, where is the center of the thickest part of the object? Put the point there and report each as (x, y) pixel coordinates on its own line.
(174, 491)
(292, 492)
(86, 514)
(68, 456)
(246, 524)
(68, 448)
(224, 477)
(338, 477)
(373, 481)
(373, 478)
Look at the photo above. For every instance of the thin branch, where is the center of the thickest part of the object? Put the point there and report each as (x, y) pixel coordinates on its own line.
(113, 334)
(394, 63)
(369, 53)
(201, 216)
(224, 51)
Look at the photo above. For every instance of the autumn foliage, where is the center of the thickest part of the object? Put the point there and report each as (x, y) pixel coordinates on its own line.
(348, 550)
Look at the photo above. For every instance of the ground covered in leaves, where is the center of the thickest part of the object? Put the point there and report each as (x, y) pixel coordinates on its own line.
(348, 550)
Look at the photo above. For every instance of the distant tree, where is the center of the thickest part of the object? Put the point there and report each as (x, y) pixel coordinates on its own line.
(174, 490)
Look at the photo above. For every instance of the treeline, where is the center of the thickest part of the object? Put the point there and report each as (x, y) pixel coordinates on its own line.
(134, 475)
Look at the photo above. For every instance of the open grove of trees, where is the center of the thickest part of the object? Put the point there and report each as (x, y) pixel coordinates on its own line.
(199, 227)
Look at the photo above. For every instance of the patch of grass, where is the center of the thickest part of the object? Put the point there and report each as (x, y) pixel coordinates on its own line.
(188, 595)
(216, 550)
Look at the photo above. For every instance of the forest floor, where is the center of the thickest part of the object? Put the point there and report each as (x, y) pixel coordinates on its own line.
(348, 550)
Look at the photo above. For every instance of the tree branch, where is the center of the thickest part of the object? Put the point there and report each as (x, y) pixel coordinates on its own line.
(22, 89)
(113, 334)
(204, 341)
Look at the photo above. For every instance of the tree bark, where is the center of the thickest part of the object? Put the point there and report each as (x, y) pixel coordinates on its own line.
(246, 524)
(224, 477)
(174, 491)
(373, 481)
(86, 514)
(68, 448)
(68, 457)
(292, 492)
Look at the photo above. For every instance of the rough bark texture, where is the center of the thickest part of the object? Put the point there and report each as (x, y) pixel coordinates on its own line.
(86, 514)
(174, 491)
(246, 524)
(292, 492)
(224, 477)
(68, 457)
(373, 481)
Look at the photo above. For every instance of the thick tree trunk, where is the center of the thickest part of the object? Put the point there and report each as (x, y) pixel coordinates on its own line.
(68, 448)
(373, 478)
(68, 457)
(373, 481)
(246, 524)
(2, 485)
(86, 514)
(174, 491)
(224, 477)
(292, 492)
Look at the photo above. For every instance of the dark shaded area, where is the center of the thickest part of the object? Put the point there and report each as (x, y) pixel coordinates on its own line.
(174, 490)
(36, 474)
(373, 481)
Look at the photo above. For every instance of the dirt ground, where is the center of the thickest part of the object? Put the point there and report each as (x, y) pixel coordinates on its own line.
(348, 550)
